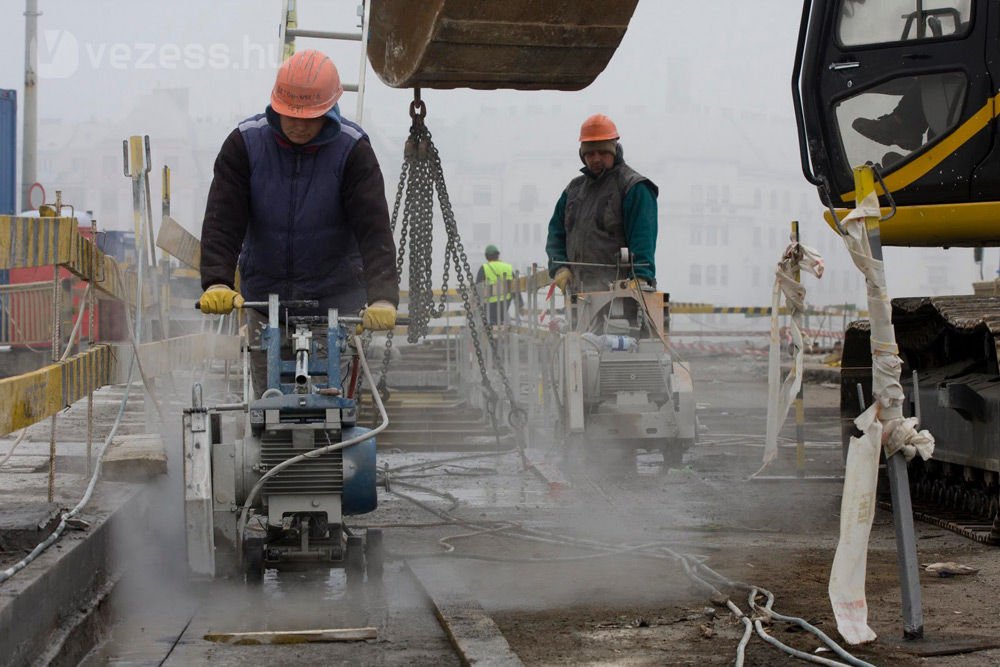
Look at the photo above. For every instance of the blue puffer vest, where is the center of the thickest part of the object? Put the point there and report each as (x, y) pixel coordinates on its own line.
(298, 243)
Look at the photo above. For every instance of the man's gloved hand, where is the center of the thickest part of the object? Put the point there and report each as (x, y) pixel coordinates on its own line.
(379, 316)
(641, 284)
(220, 300)
(562, 278)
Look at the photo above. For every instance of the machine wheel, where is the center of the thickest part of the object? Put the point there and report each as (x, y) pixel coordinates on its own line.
(673, 452)
(374, 553)
(253, 562)
(672, 456)
(354, 560)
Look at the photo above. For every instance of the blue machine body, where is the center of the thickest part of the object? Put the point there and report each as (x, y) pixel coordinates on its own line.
(336, 339)
(359, 491)
(360, 496)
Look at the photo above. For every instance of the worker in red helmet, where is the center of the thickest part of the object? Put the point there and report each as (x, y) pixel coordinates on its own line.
(297, 203)
(610, 206)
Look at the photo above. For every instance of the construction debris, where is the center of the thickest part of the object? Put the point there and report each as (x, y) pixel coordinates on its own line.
(949, 569)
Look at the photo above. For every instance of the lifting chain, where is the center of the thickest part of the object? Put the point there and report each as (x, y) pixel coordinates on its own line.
(420, 176)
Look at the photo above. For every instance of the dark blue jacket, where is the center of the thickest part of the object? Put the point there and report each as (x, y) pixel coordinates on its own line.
(308, 222)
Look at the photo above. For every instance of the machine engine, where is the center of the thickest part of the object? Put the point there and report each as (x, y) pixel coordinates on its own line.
(630, 393)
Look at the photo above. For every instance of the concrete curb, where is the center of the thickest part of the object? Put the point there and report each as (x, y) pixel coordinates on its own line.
(50, 610)
(474, 635)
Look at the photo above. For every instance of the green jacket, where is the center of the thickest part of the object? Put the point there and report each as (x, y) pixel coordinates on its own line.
(639, 215)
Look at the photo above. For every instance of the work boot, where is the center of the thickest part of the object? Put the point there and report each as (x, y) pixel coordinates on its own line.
(890, 130)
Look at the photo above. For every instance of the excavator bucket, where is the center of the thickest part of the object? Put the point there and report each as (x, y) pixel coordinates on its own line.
(490, 44)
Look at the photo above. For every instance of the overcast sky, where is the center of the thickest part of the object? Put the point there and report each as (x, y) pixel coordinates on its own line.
(95, 54)
(733, 58)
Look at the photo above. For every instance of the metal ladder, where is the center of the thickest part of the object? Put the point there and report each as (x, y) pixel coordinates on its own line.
(289, 30)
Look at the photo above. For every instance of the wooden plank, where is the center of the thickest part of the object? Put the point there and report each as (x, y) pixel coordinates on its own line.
(112, 281)
(36, 242)
(86, 260)
(31, 397)
(86, 372)
(293, 636)
(28, 398)
(179, 242)
(27, 243)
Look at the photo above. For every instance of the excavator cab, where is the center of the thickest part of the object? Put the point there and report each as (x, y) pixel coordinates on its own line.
(910, 86)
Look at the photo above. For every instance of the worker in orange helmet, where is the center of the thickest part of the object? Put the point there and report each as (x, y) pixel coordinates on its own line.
(297, 202)
(610, 206)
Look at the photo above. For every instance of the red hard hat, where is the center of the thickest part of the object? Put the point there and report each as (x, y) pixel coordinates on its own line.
(598, 128)
(308, 85)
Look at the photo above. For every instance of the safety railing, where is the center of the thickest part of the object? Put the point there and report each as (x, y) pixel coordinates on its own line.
(26, 312)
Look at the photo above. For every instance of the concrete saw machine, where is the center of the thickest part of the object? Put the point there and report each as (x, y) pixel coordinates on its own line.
(278, 495)
(623, 390)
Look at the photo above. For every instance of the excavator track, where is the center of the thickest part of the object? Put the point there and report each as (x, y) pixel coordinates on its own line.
(951, 380)
(975, 528)
(970, 512)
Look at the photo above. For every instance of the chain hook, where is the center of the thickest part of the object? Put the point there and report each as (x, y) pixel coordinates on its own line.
(518, 417)
(418, 110)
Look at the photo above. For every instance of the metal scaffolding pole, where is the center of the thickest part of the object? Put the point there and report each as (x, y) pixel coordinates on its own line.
(29, 137)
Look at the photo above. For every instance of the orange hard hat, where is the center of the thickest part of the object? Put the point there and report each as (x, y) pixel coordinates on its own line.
(598, 128)
(308, 85)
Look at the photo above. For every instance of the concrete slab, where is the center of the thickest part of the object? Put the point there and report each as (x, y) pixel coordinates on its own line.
(47, 609)
(135, 458)
(19, 484)
(24, 524)
(28, 515)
